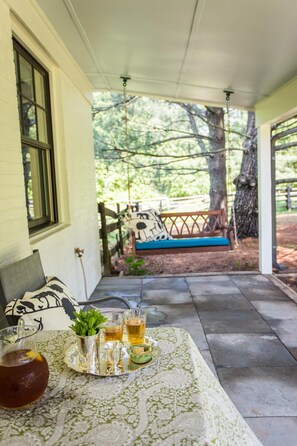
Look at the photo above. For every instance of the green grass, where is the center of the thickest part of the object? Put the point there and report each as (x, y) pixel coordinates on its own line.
(281, 207)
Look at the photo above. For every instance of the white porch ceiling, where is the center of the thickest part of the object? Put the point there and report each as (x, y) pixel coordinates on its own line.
(188, 50)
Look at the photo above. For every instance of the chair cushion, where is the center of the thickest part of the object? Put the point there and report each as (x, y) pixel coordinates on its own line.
(49, 308)
(147, 225)
(184, 243)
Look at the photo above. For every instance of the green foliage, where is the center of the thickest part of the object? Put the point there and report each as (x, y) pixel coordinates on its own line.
(135, 266)
(285, 142)
(88, 323)
(240, 265)
(158, 131)
(281, 208)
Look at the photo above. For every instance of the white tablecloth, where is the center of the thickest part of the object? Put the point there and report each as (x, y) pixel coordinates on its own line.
(176, 401)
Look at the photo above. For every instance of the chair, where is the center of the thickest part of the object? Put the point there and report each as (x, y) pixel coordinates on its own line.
(28, 275)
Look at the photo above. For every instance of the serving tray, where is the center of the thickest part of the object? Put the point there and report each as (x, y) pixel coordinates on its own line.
(104, 367)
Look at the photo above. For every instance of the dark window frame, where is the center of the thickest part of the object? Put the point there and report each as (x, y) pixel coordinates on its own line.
(48, 194)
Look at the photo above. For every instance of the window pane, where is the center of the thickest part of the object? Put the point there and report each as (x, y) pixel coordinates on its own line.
(29, 119)
(41, 124)
(26, 79)
(37, 150)
(39, 88)
(15, 56)
(36, 182)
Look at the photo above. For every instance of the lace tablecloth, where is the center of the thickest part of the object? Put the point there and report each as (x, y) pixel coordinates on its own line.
(176, 401)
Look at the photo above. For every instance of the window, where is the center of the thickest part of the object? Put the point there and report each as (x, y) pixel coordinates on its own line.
(36, 138)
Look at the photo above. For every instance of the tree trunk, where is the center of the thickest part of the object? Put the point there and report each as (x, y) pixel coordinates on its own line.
(246, 198)
(217, 161)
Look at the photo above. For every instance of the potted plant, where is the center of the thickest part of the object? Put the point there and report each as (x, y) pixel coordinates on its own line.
(88, 323)
(87, 326)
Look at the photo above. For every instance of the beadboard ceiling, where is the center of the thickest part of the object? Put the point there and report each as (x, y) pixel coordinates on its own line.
(189, 50)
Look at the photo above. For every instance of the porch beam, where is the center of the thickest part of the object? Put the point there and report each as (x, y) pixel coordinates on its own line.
(265, 199)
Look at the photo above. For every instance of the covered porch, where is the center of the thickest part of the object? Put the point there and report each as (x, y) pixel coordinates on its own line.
(191, 51)
(195, 52)
(244, 325)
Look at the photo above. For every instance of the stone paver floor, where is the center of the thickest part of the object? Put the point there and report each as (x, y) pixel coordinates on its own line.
(245, 327)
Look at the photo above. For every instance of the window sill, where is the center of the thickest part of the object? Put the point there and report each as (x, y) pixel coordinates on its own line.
(47, 232)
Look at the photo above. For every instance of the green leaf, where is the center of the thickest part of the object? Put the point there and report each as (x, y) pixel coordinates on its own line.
(88, 323)
(92, 321)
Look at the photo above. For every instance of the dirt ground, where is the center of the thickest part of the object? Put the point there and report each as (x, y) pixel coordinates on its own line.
(243, 258)
(287, 249)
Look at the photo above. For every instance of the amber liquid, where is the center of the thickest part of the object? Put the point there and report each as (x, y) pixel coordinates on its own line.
(23, 378)
(135, 330)
(113, 333)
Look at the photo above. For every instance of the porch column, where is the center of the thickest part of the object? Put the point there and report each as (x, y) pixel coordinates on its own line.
(265, 199)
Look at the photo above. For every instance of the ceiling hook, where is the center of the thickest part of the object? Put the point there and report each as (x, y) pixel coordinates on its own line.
(228, 94)
(125, 80)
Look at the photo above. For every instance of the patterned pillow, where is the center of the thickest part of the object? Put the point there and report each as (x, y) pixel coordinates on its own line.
(49, 308)
(147, 226)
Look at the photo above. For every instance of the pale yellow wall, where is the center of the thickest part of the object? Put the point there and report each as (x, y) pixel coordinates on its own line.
(279, 106)
(76, 172)
(74, 160)
(14, 240)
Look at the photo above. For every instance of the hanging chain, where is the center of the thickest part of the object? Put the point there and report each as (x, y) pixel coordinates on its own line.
(125, 80)
(228, 157)
(235, 228)
(228, 146)
(228, 133)
(228, 125)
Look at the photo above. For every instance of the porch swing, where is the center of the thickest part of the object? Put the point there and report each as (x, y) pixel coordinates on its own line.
(177, 232)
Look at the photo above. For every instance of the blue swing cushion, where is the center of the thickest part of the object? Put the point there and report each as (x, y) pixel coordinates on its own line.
(183, 243)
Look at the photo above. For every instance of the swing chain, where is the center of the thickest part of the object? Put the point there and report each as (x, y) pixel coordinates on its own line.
(125, 81)
(235, 228)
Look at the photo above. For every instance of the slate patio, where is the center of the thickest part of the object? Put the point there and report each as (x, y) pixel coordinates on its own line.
(245, 326)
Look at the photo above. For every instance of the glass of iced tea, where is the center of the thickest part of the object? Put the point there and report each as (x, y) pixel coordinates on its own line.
(113, 330)
(23, 370)
(135, 325)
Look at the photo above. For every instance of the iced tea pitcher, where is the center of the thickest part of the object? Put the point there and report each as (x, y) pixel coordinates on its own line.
(23, 370)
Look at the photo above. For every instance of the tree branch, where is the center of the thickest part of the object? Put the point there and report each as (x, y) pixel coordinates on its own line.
(282, 134)
(164, 129)
(155, 155)
(173, 138)
(194, 155)
(285, 124)
(146, 166)
(194, 126)
(204, 119)
(287, 145)
(193, 109)
(96, 110)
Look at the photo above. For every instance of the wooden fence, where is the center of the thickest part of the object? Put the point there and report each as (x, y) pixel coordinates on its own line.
(287, 194)
(291, 196)
(112, 234)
